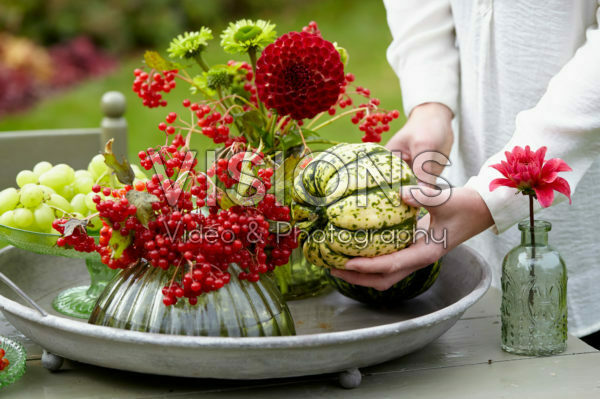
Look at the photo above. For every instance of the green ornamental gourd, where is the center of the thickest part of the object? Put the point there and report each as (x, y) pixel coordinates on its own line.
(348, 204)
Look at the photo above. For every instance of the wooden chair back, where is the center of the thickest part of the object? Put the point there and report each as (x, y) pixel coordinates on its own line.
(21, 150)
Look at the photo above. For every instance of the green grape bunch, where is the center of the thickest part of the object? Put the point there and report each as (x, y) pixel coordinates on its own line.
(48, 192)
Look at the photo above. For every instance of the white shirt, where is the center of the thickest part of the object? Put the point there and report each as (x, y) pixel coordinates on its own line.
(515, 72)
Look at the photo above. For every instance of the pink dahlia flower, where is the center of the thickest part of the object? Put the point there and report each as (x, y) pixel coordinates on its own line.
(528, 172)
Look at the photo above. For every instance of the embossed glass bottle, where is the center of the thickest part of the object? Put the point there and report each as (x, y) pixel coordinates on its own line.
(534, 295)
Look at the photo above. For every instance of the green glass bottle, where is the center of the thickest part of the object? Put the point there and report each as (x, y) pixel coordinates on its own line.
(534, 295)
(299, 279)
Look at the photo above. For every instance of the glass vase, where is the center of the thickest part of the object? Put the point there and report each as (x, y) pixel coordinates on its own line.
(79, 301)
(300, 279)
(75, 301)
(534, 295)
(133, 301)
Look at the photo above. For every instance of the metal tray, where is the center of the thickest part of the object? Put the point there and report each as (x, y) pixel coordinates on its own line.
(334, 333)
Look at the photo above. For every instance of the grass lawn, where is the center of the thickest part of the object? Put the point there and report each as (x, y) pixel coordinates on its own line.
(357, 25)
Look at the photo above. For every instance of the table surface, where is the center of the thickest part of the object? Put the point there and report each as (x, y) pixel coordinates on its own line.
(465, 362)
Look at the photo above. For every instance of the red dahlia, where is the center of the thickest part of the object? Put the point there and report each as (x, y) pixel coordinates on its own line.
(300, 75)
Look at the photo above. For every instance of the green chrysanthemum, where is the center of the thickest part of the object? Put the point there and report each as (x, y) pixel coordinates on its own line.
(245, 35)
(217, 77)
(189, 44)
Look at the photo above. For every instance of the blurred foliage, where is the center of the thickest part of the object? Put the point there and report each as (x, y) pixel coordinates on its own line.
(357, 25)
(122, 25)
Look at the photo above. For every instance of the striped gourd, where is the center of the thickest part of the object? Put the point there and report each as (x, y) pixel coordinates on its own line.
(348, 200)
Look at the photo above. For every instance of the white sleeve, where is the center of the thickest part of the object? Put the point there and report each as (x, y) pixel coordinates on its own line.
(566, 120)
(423, 52)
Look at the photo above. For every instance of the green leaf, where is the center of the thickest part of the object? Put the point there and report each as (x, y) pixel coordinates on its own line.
(293, 139)
(289, 168)
(118, 243)
(253, 124)
(224, 201)
(156, 61)
(123, 170)
(72, 224)
(252, 117)
(143, 202)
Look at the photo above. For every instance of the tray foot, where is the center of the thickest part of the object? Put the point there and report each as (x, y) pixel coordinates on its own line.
(350, 379)
(51, 362)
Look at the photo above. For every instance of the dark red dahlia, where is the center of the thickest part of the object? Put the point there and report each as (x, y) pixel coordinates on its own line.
(300, 75)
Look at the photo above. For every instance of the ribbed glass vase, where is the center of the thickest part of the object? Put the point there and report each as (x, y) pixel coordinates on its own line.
(534, 295)
(133, 301)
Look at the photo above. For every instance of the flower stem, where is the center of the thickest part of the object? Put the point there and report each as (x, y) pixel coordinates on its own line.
(335, 118)
(532, 266)
(252, 55)
(201, 62)
(531, 226)
(314, 120)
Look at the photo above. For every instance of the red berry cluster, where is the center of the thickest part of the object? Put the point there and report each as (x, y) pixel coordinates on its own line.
(213, 124)
(245, 80)
(210, 122)
(198, 248)
(4, 362)
(228, 170)
(171, 157)
(78, 240)
(374, 123)
(149, 85)
(273, 210)
(117, 215)
(371, 121)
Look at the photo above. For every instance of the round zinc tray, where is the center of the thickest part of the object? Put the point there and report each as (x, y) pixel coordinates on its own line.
(334, 333)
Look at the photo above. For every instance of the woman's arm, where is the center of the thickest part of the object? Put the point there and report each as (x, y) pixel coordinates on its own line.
(424, 56)
(566, 119)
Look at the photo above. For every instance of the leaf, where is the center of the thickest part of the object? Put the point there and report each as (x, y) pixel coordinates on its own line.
(123, 170)
(289, 173)
(143, 202)
(118, 243)
(72, 224)
(293, 139)
(224, 201)
(156, 61)
(253, 123)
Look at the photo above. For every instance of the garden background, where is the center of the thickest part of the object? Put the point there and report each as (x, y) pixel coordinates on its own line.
(83, 49)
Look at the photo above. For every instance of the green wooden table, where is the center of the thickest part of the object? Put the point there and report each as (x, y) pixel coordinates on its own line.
(466, 362)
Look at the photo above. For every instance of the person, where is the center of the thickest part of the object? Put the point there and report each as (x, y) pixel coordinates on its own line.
(509, 73)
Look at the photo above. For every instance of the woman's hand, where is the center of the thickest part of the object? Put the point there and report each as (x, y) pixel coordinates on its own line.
(428, 130)
(463, 215)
